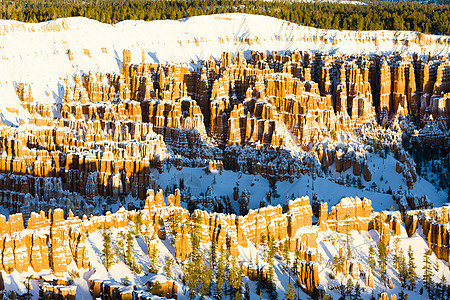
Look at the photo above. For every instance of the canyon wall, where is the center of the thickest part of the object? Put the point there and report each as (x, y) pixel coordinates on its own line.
(51, 241)
(111, 130)
(434, 224)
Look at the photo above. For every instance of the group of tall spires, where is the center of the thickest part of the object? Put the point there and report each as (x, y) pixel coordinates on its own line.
(111, 130)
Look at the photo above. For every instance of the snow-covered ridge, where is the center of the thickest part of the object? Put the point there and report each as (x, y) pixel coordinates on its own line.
(37, 53)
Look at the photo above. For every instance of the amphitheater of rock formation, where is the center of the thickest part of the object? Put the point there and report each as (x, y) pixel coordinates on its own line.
(51, 241)
(112, 129)
(246, 114)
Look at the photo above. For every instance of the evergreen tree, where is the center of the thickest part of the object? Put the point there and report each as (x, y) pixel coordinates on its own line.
(396, 250)
(259, 284)
(349, 289)
(338, 264)
(442, 288)
(271, 288)
(192, 279)
(382, 263)
(213, 253)
(349, 250)
(343, 291)
(168, 267)
(207, 276)
(437, 264)
(371, 259)
(287, 256)
(412, 276)
(221, 273)
(347, 234)
(427, 270)
(137, 224)
(155, 288)
(194, 267)
(402, 269)
(235, 279)
(126, 281)
(129, 253)
(154, 261)
(290, 294)
(108, 254)
(402, 295)
(297, 259)
(357, 293)
(120, 244)
(246, 291)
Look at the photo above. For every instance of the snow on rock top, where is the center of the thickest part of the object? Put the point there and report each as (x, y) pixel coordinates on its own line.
(44, 53)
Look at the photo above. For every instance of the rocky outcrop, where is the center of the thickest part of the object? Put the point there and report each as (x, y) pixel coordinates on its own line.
(153, 115)
(48, 291)
(309, 276)
(434, 226)
(101, 289)
(351, 214)
(24, 248)
(161, 217)
(21, 248)
(385, 296)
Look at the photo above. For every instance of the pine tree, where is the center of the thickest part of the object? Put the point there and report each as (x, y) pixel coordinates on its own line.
(120, 244)
(126, 281)
(155, 288)
(129, 257)
(427, 270)
(191, 279)
(286, 254)
(297, 259)
(194, 267)
(349, 289)
(371, 259)
(168, 267)
(437, 264)
(382, 263)
(347, 234)
(137, 224)
(213, 253)
(246, 291)
(412, 276)
(235, 279)
(259, 283)
(221, 273)
(271, 288)
(349, 250)
(402, 295)
(153, 255)
(402, 269)
(290, 295)
(206, 280)
(357, 294)
(442, 288)
(108, 254)
(396, 249)
(343, 291)
(338, 264)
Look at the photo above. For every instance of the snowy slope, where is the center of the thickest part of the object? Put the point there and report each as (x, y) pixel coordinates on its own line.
(37, 53)
(328, 244)
(222, 184)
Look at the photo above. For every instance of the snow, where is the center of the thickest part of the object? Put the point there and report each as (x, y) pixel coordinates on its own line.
(360, 243)
(222, 183)
(36, 53)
